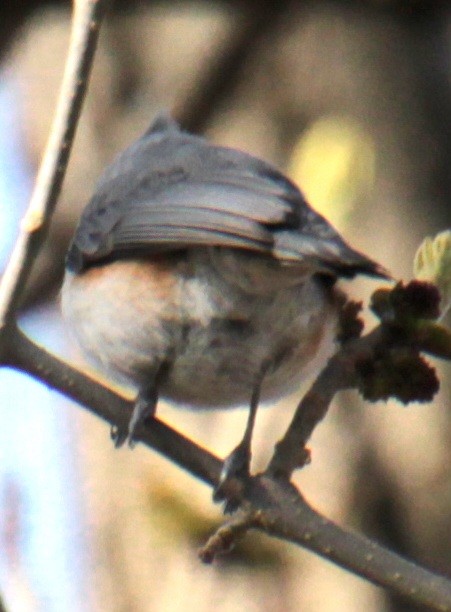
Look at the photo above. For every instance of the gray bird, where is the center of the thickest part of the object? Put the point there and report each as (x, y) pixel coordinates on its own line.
(199, 274)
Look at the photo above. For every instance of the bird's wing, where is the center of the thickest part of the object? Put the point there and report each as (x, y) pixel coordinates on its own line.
(171, 190)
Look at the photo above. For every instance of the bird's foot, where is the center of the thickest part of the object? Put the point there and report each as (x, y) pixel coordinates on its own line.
(234, 476)
(143, 410)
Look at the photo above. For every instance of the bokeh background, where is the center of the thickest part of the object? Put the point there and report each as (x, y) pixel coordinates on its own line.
(352, 99)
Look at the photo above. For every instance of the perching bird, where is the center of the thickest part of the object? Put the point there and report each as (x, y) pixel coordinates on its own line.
(199, 274)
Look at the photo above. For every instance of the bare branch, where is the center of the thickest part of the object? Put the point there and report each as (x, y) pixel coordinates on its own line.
(84, 33)
(279, 510)
(384, 363)
(269, 504)
(226, 537)
(339, 374)
(26, 356)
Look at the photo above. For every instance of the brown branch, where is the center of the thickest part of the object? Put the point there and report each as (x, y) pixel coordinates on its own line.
(384, 363)
(84, 33)
(226, 536)
(24, 355)
(275, 507)
(339, 373)
(269, 504)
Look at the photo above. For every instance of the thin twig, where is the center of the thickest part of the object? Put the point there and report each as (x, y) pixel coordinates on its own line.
(408, 328)
(339, 373)
(227, 536)
(84, 33)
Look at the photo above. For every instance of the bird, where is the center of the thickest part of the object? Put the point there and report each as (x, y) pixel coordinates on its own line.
(199, 274)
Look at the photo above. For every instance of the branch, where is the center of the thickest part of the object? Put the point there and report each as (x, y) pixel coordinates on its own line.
(268, 503)
(339, 373)
(384, 363)
(275, 507)
(84, 33)
(24, 355)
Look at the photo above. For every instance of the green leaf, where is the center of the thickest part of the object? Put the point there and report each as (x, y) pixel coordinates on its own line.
(432, 263)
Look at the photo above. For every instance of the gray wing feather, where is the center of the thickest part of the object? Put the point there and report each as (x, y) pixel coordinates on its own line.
(246, 202)
(170, 190)
(181, 224)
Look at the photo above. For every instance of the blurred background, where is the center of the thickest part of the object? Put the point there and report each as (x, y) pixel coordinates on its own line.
(352, 99)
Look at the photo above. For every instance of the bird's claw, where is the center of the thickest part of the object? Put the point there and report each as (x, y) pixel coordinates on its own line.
(234, 476)
(143, 410)
(119, 435)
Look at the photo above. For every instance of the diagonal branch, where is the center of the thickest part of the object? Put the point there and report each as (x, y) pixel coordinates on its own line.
(384, 363)
(270, 504)
(84, 33)
(276, 507)
(339, 373)
(26, 356)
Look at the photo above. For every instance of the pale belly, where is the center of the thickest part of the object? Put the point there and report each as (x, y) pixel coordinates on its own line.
(214, 340)
(221, 363)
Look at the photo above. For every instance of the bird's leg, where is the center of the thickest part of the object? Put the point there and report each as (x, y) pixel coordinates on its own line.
(144, 408)
(236, 465)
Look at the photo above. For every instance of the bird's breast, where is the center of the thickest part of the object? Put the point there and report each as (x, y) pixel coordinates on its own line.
(215, 334)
